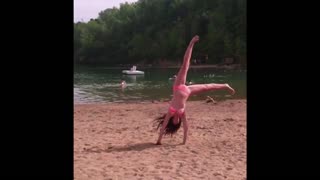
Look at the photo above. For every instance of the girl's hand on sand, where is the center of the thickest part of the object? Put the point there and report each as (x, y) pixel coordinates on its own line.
(158, 143)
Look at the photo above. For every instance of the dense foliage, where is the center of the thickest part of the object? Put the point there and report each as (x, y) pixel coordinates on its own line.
(153, 31)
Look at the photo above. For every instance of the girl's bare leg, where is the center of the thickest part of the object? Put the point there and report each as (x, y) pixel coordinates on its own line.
(199, 88)
(182, 74)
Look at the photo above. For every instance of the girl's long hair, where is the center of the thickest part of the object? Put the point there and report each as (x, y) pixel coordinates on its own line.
(171, 127)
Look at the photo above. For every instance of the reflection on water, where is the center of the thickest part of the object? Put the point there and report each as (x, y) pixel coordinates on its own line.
(100, 84)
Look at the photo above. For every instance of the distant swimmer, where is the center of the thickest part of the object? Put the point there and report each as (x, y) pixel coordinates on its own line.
(173, 78)
(189, 83)
(123, 84)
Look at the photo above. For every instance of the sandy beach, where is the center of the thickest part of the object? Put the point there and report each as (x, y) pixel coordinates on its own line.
(117, 141)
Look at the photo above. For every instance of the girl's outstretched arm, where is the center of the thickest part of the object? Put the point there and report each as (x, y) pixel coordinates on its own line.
(163, 127)
(185, 128)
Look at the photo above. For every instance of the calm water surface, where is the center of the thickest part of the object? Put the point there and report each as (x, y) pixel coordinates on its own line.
(102, 84)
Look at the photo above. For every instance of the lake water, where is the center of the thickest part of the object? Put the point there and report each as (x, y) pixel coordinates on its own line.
(102, 84)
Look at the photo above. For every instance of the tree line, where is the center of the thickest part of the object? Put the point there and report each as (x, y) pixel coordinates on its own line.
(153, 31)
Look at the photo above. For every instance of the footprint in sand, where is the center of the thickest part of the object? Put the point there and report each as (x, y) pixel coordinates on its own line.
(228, 119)
(180, 164)
(195, 152)
(239, 163)
(218, 176)
(203, 170)
(165, 171)
(158, 178)
(123, 129)
(214, 151)
(154, 171)
(229, 168)
(162, 167)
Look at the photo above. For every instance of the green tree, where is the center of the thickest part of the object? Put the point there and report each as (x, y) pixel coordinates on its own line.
(152, 30)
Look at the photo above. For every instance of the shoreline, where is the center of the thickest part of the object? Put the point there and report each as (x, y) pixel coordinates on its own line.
(214, 66)
(152, 101)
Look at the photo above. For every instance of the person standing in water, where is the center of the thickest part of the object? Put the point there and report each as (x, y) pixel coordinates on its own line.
(123, 84)
(171, 121)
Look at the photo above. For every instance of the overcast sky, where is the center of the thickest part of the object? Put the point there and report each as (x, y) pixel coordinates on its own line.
(84, 10)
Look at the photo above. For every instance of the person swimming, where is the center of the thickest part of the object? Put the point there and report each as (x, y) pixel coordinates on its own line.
(173, 78)
(123, 84)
